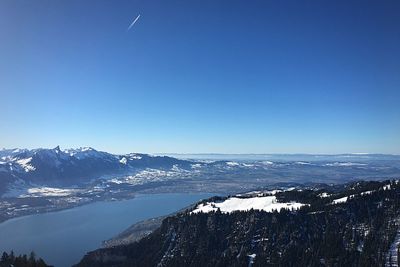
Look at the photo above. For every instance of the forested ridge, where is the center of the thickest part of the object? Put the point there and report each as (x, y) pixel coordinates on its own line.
(356, 232)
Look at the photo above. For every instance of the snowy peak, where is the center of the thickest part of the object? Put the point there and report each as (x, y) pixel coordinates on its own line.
(50, 154)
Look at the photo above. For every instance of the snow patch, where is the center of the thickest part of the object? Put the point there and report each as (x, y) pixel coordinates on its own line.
(24, 163)
(268, 204)
(267, 162)
(21, 190)
(176, 168)
(137, 157)
(340, 200)
(49, 192)
(366, 193)
(323, 195)
(386, 187)
(345, 164)
(83, 152)
(251, 259)
(303, 163)
(196, 166)
(248, 165)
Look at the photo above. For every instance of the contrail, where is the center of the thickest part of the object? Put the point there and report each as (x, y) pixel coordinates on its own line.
(133, 23)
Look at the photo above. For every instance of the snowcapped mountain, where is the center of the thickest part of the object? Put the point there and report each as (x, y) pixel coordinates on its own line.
(24, 168)
(73, 166)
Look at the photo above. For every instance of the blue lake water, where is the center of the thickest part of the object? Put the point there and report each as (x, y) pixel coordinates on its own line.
(62, 238)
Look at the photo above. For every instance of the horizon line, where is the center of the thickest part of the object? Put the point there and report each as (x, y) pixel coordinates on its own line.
(219, 153)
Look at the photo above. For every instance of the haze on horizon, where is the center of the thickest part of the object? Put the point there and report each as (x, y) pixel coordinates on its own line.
(201, 77)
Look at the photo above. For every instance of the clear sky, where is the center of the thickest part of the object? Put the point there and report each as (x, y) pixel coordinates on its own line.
(201, 76)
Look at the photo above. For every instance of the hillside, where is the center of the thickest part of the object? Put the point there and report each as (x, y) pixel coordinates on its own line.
(355, 225)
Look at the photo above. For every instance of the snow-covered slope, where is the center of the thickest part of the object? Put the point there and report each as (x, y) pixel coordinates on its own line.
(265, 203)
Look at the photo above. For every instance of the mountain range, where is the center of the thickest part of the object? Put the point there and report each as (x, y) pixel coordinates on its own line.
(78, 167)
(56, 167)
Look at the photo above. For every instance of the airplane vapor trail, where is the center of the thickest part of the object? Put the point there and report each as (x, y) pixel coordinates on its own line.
(133, 23)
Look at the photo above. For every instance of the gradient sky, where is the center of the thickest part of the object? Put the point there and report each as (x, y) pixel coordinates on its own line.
(201, 76)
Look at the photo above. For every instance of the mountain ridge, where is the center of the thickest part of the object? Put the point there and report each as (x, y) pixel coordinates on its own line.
(73, 166)
(359, 231)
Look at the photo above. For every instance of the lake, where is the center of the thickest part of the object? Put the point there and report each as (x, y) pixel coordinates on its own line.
(62, 238)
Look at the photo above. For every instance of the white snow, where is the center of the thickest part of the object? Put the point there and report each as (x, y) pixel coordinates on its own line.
(366, 193)
(344, 199)
(24, 163)
(21, 190)
(268, 204)
(386, 187)
(176, 168)
(247, 165)
(323, 195)
(149, 175)
(196, 166)
(340, 200)
(83, 152)
(50, 192)
(251, 259)
(303, 163)
(270, 192)
(135, 157)
(273, 192)
(267, 162)
(344, 164)
(252, 255)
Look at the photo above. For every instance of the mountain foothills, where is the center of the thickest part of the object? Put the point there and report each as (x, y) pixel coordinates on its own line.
(355, 224)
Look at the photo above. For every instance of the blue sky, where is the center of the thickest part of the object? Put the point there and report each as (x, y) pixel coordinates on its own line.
(201, 76)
